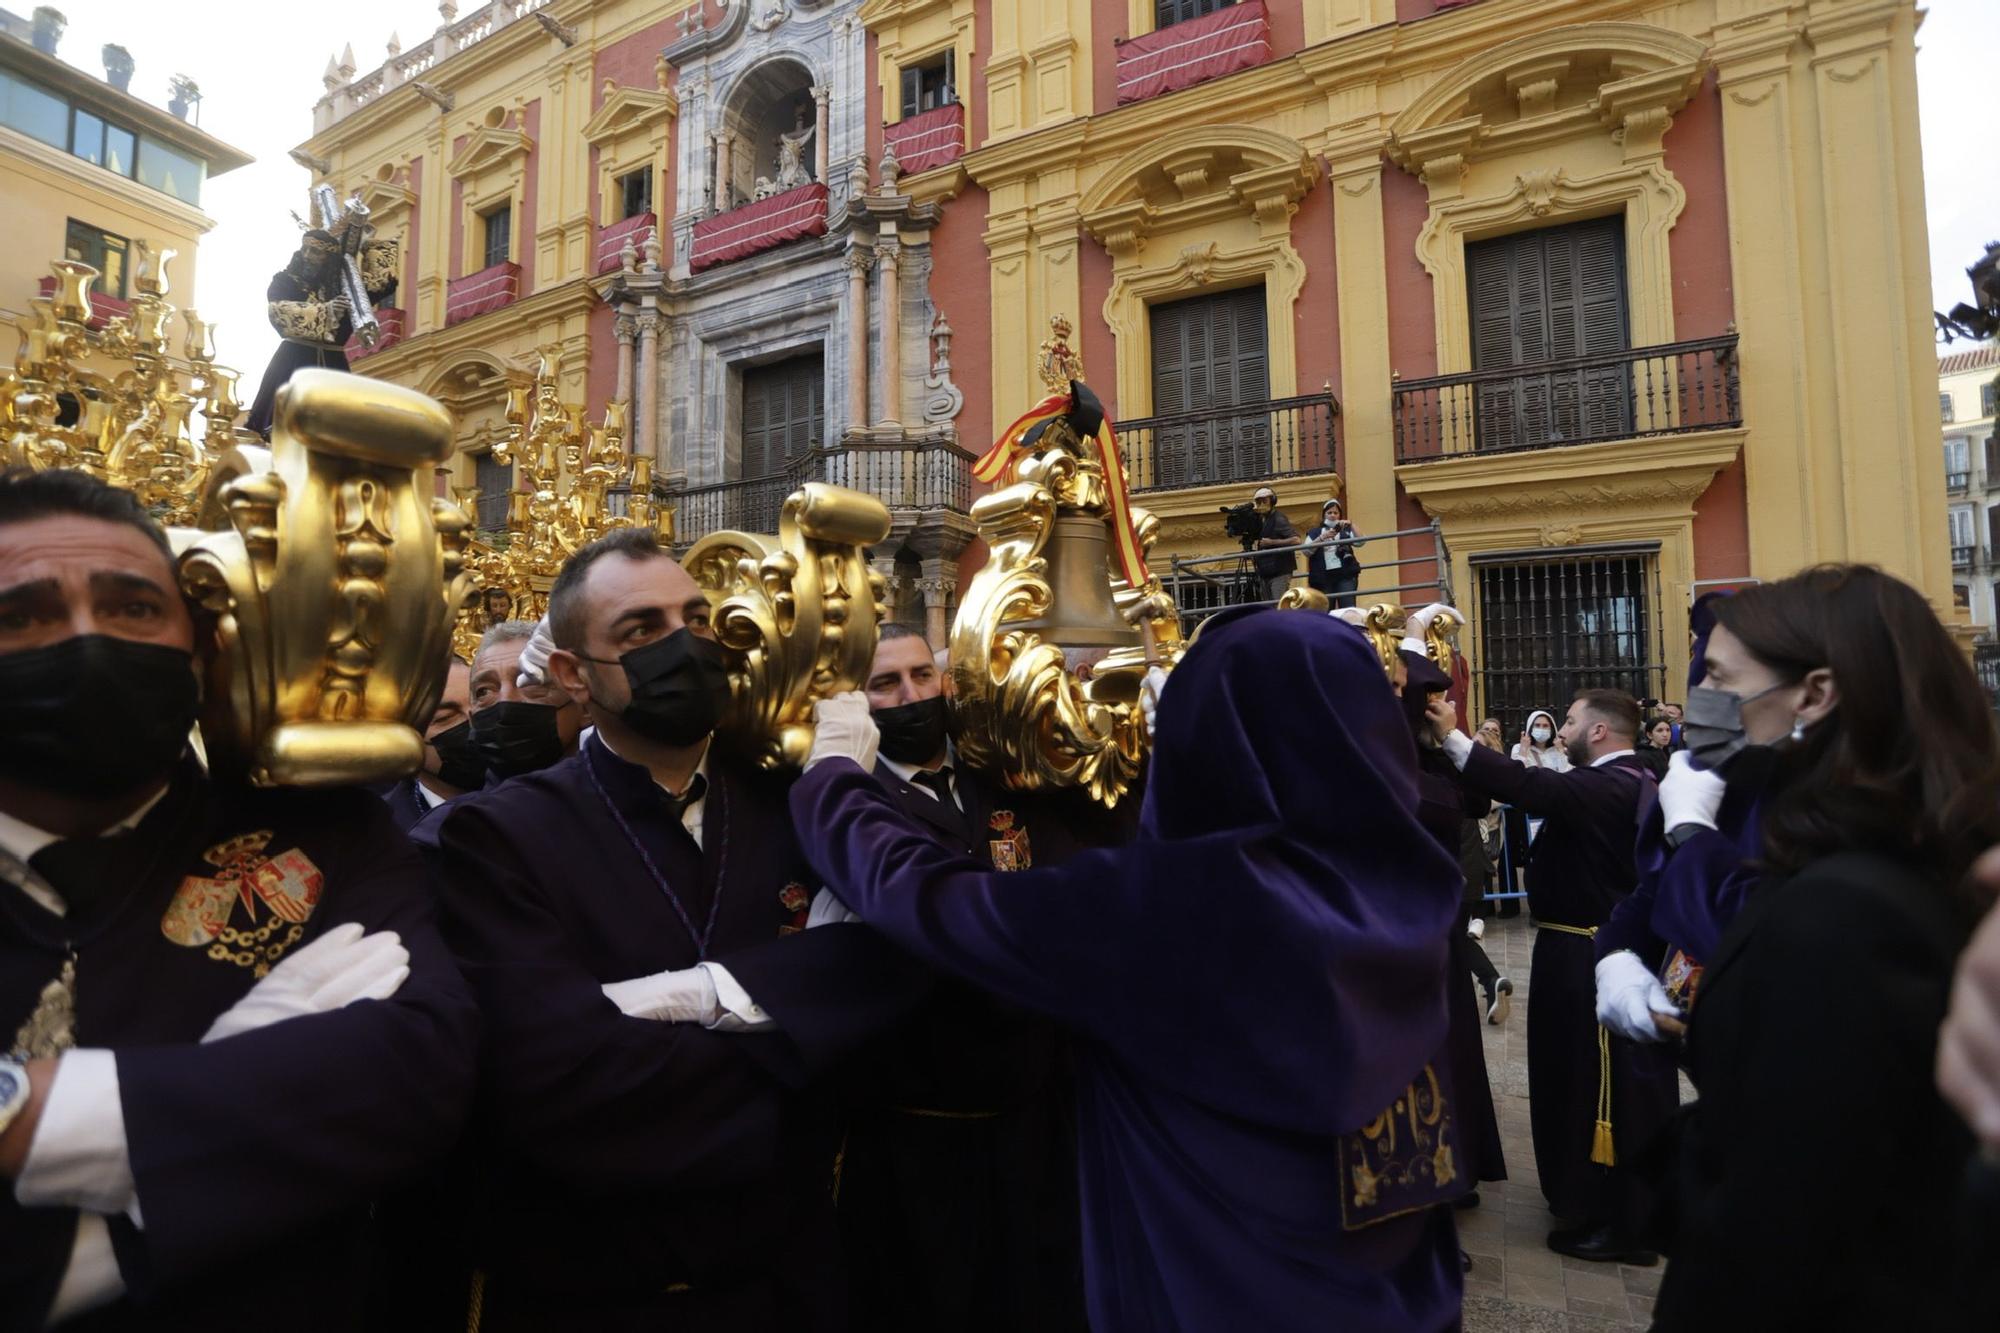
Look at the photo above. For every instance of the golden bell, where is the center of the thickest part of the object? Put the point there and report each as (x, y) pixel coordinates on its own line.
(1082, 614)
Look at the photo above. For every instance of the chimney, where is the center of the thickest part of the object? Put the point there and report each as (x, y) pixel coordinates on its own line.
(48, 30)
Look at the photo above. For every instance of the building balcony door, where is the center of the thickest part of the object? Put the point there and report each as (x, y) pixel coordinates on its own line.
(1210, 354)
(1550, 296)
(784, 413)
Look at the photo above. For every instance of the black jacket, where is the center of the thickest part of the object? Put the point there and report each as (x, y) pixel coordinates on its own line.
(1333, 568)
(1816, 1182)
(1277, 525)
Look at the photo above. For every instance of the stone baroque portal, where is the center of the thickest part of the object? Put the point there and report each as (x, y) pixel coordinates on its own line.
(786, 345)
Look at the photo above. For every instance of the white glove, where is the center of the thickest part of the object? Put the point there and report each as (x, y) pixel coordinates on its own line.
(335, 970)
(844, 729)
(1628, 995)
(1150, 691)
(686, 995)
(1419, 624)
(828, 910)
(534, 665)
(1689, 795)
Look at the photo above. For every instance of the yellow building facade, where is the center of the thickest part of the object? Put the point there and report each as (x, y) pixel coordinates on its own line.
(89, 172)
(1627, 298)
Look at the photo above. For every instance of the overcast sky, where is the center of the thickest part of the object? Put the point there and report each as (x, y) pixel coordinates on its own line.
(259, 67)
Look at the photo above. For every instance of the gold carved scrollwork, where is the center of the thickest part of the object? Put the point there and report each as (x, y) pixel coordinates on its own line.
(798, 611)
(331, 576)
(1020, 713)
(129, 398)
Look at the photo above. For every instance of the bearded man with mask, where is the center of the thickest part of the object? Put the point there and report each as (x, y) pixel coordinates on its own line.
(451, 768)
(228, 1023)
(640, 1166)
(1594, 1099)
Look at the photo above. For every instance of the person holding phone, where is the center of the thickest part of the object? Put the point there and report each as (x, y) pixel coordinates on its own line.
(1332, 567)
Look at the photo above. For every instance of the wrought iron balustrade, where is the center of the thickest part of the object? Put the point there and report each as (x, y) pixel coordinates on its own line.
(1248, 442)
(922, 476)
(1955, 482)
(1962, 555)
(1670, 389)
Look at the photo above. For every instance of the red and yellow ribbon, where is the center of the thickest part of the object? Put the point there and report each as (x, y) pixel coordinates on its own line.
(993, 465)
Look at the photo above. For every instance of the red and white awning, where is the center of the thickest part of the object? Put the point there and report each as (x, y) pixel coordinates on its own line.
(757, 227)
(1194, 50)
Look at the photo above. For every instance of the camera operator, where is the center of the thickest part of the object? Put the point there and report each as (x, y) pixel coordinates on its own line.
(1274, 572)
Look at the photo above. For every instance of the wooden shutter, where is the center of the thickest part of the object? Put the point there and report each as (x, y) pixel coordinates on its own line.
(1549, 296)
(1992, 459)
(1992, 530)
(756, 423)
(1210, 352)
(913, 91)
(784, 413)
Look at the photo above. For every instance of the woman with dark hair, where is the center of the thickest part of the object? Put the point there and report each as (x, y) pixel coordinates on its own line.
(1656, 743)
(1332, 567)
(1813, 1037)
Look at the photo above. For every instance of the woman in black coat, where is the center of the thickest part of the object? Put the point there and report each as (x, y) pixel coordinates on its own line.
(1333, 568)
(1816, 1182)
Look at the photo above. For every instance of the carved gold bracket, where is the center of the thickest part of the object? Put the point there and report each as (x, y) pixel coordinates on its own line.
(332, 577)
(798, 610)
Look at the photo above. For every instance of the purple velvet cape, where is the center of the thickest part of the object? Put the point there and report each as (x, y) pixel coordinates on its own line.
(1260, 972)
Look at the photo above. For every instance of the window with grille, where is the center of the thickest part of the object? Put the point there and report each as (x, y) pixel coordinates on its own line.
(1551, 627)
(499, 233)
(1546, 299)
(1209, 355)
(635, 193)
(1987, 394)
(929, 84)
(784, 413)
(1957, 462)
(1944, 408)
(495, 480)
(102, 251)
(1166, 13)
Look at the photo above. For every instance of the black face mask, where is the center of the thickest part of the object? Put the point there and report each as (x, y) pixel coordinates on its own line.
(460, 764)
(96, 715)
(912, 733)
(679, 685)
(516, 737)
(1712, 724)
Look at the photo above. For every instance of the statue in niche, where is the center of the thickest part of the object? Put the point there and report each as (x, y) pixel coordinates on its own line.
(792, 169)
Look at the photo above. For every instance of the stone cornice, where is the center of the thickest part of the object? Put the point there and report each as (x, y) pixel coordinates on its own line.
(488, 147)
(626, 109)
(1591, 482)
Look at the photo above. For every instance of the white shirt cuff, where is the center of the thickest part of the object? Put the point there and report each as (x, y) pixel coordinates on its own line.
(828, 910)
(79, 1157)
(738, 1012)
(92, 1278)
(1457, 747)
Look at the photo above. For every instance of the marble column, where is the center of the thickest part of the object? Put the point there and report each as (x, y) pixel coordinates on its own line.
(626, 331)
(888, 252)
(858, 262)
(649, 383)
(938, 586)
(724, 166)
(820, 153)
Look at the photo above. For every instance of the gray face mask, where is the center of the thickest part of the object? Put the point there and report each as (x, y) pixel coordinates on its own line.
(1712, 724)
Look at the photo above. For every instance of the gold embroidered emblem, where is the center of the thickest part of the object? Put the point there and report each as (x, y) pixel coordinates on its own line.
(285, 888)
(51, 1028)
(1009, 848)
(1401, 1160)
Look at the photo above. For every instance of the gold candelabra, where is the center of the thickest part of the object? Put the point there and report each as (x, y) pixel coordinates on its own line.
(114, 401)
(576, 482)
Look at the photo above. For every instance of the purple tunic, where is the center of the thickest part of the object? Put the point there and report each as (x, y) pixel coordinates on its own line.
(1261, 974)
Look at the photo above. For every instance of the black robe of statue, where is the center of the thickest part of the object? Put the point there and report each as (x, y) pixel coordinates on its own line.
(635, 1174)
(291, 286)
(1580, 868)
(256, 1158)
(958, 1204)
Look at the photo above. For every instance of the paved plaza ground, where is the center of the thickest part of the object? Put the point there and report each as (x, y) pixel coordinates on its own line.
(1517, 1284)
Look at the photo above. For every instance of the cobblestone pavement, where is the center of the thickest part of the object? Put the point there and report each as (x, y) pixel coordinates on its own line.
(1517, 1284)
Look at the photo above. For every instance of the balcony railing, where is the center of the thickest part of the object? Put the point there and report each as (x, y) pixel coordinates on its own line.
(1961, 556)
(923, 476)
(1283, 437)
(1986, 661)
(1665, 390)
(1957, 481)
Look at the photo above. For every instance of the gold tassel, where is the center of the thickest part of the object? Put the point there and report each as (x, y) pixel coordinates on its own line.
(1603, 1148)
